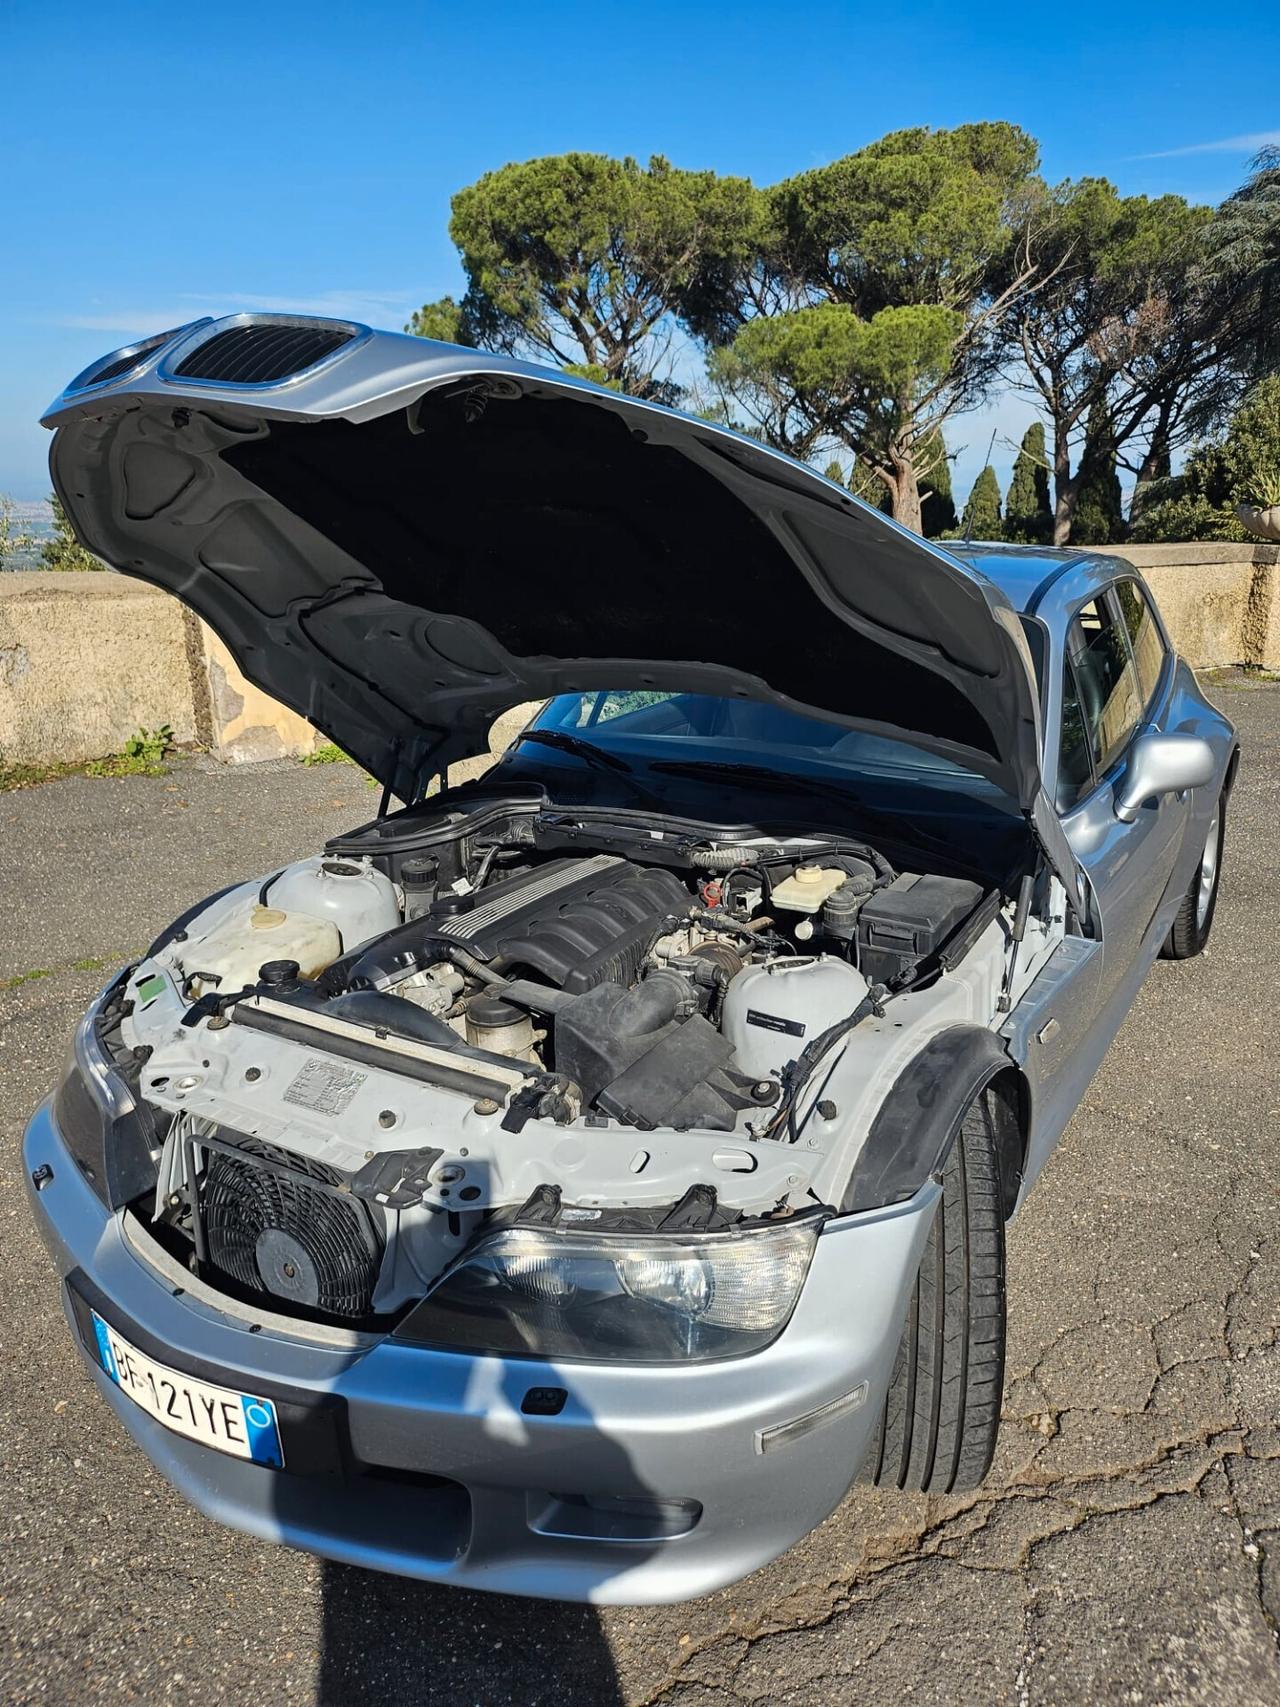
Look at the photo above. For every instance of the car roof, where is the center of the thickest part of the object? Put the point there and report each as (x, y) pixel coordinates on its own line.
(1025, 573)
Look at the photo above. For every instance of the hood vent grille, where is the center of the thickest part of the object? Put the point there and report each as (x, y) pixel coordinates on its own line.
(124, 361)
(261, 354)
(122, 364)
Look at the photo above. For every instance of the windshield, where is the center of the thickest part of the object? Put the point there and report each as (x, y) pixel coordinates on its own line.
(646, 727)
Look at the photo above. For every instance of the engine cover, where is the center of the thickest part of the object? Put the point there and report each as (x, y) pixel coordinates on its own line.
(574, 923)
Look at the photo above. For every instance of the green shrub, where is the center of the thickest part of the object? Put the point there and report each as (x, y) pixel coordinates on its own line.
(141, 755)
(1179, 514)
(328, 754)
(1242, 468)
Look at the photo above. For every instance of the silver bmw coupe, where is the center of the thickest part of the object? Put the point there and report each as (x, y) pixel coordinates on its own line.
(569, 1182)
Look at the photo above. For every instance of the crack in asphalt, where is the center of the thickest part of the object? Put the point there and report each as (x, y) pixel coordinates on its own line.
(1082, 1495)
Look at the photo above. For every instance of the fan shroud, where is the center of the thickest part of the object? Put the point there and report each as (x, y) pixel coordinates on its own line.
(285, 1229)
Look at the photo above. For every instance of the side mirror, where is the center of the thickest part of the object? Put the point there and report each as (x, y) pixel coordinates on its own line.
(1162, 764)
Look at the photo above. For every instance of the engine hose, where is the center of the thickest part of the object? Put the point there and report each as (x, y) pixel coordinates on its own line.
(844, 854)
(482, 870)
(469, 963)
(752, 856)
(542, 998)
(797, 1075)
(724, 859)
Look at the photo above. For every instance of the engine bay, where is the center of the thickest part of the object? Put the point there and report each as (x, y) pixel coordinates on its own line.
(517, 1018)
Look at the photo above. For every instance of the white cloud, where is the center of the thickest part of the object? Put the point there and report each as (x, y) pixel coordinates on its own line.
(1249, 144)
(387, 308)
(131, 322)
(377, 306)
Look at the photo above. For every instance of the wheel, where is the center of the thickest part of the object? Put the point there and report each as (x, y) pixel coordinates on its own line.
(1194, 919)
(937, 1432)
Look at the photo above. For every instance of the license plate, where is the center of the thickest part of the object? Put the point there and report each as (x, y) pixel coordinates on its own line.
(228, 1421)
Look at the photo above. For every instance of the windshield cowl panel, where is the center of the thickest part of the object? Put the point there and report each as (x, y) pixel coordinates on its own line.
(760, 764)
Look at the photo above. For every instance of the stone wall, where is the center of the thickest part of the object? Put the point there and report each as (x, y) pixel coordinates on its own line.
(87, 659)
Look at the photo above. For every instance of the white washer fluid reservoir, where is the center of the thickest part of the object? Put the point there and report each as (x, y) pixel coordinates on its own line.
(351, 894)
(771, 1012)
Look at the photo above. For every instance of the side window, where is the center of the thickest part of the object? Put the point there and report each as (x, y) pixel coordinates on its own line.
(1075, 767)
(1111, 700)
(1144, 637)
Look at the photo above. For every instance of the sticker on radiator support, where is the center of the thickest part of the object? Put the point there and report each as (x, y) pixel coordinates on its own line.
(324, 1086)
(775, 1022)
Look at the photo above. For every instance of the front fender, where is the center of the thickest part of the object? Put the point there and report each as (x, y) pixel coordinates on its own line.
(916, 1124)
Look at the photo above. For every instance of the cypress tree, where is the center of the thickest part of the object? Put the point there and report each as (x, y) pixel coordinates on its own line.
(1099, 517)
(982, 512)
(938, 510)
(1028, 514)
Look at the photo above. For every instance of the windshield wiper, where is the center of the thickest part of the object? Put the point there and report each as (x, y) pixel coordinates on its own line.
(590, 754)
(587, 750)
(871, 816)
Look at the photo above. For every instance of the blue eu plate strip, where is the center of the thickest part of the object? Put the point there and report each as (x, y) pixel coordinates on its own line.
(264, 1436)
(104, 1347)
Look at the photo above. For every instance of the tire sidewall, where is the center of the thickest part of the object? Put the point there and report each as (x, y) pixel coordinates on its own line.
(1203, 927)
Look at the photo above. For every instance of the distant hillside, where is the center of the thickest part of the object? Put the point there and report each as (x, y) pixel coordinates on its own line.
(31, 520)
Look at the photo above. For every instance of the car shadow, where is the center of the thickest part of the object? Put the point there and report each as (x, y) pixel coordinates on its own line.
(389, 1640)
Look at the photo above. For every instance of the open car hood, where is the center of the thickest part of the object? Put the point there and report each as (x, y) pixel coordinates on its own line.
(400, 539)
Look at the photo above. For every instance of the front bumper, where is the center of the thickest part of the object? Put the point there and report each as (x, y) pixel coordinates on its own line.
(649, 1484)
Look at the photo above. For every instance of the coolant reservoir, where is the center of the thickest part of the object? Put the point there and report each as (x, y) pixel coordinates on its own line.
(771, 1012)
(229, 957)
(351, 893)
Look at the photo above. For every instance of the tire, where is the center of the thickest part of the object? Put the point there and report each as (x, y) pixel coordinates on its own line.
(937, 1432)
(1193, 921)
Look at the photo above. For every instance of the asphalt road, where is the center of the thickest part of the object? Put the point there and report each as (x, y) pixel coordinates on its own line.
(1126, 1547)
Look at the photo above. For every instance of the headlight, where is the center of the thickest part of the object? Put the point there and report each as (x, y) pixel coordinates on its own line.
(109, 1134)
(102, 1077)
(661, 1298)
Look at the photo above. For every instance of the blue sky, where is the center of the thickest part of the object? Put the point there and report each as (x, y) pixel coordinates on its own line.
(159, 162)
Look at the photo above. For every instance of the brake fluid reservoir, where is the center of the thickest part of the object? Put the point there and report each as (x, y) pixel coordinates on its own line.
(807, 888)
(228, 958)
(350, 893)
(771, 1012)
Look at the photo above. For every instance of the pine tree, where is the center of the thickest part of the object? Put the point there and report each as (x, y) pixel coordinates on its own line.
(1099, 517)
(982, 512)
(64, 550)
(1028, 514)
(938, 510)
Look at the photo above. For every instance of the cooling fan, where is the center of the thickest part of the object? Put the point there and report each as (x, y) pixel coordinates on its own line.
(288, 1232)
